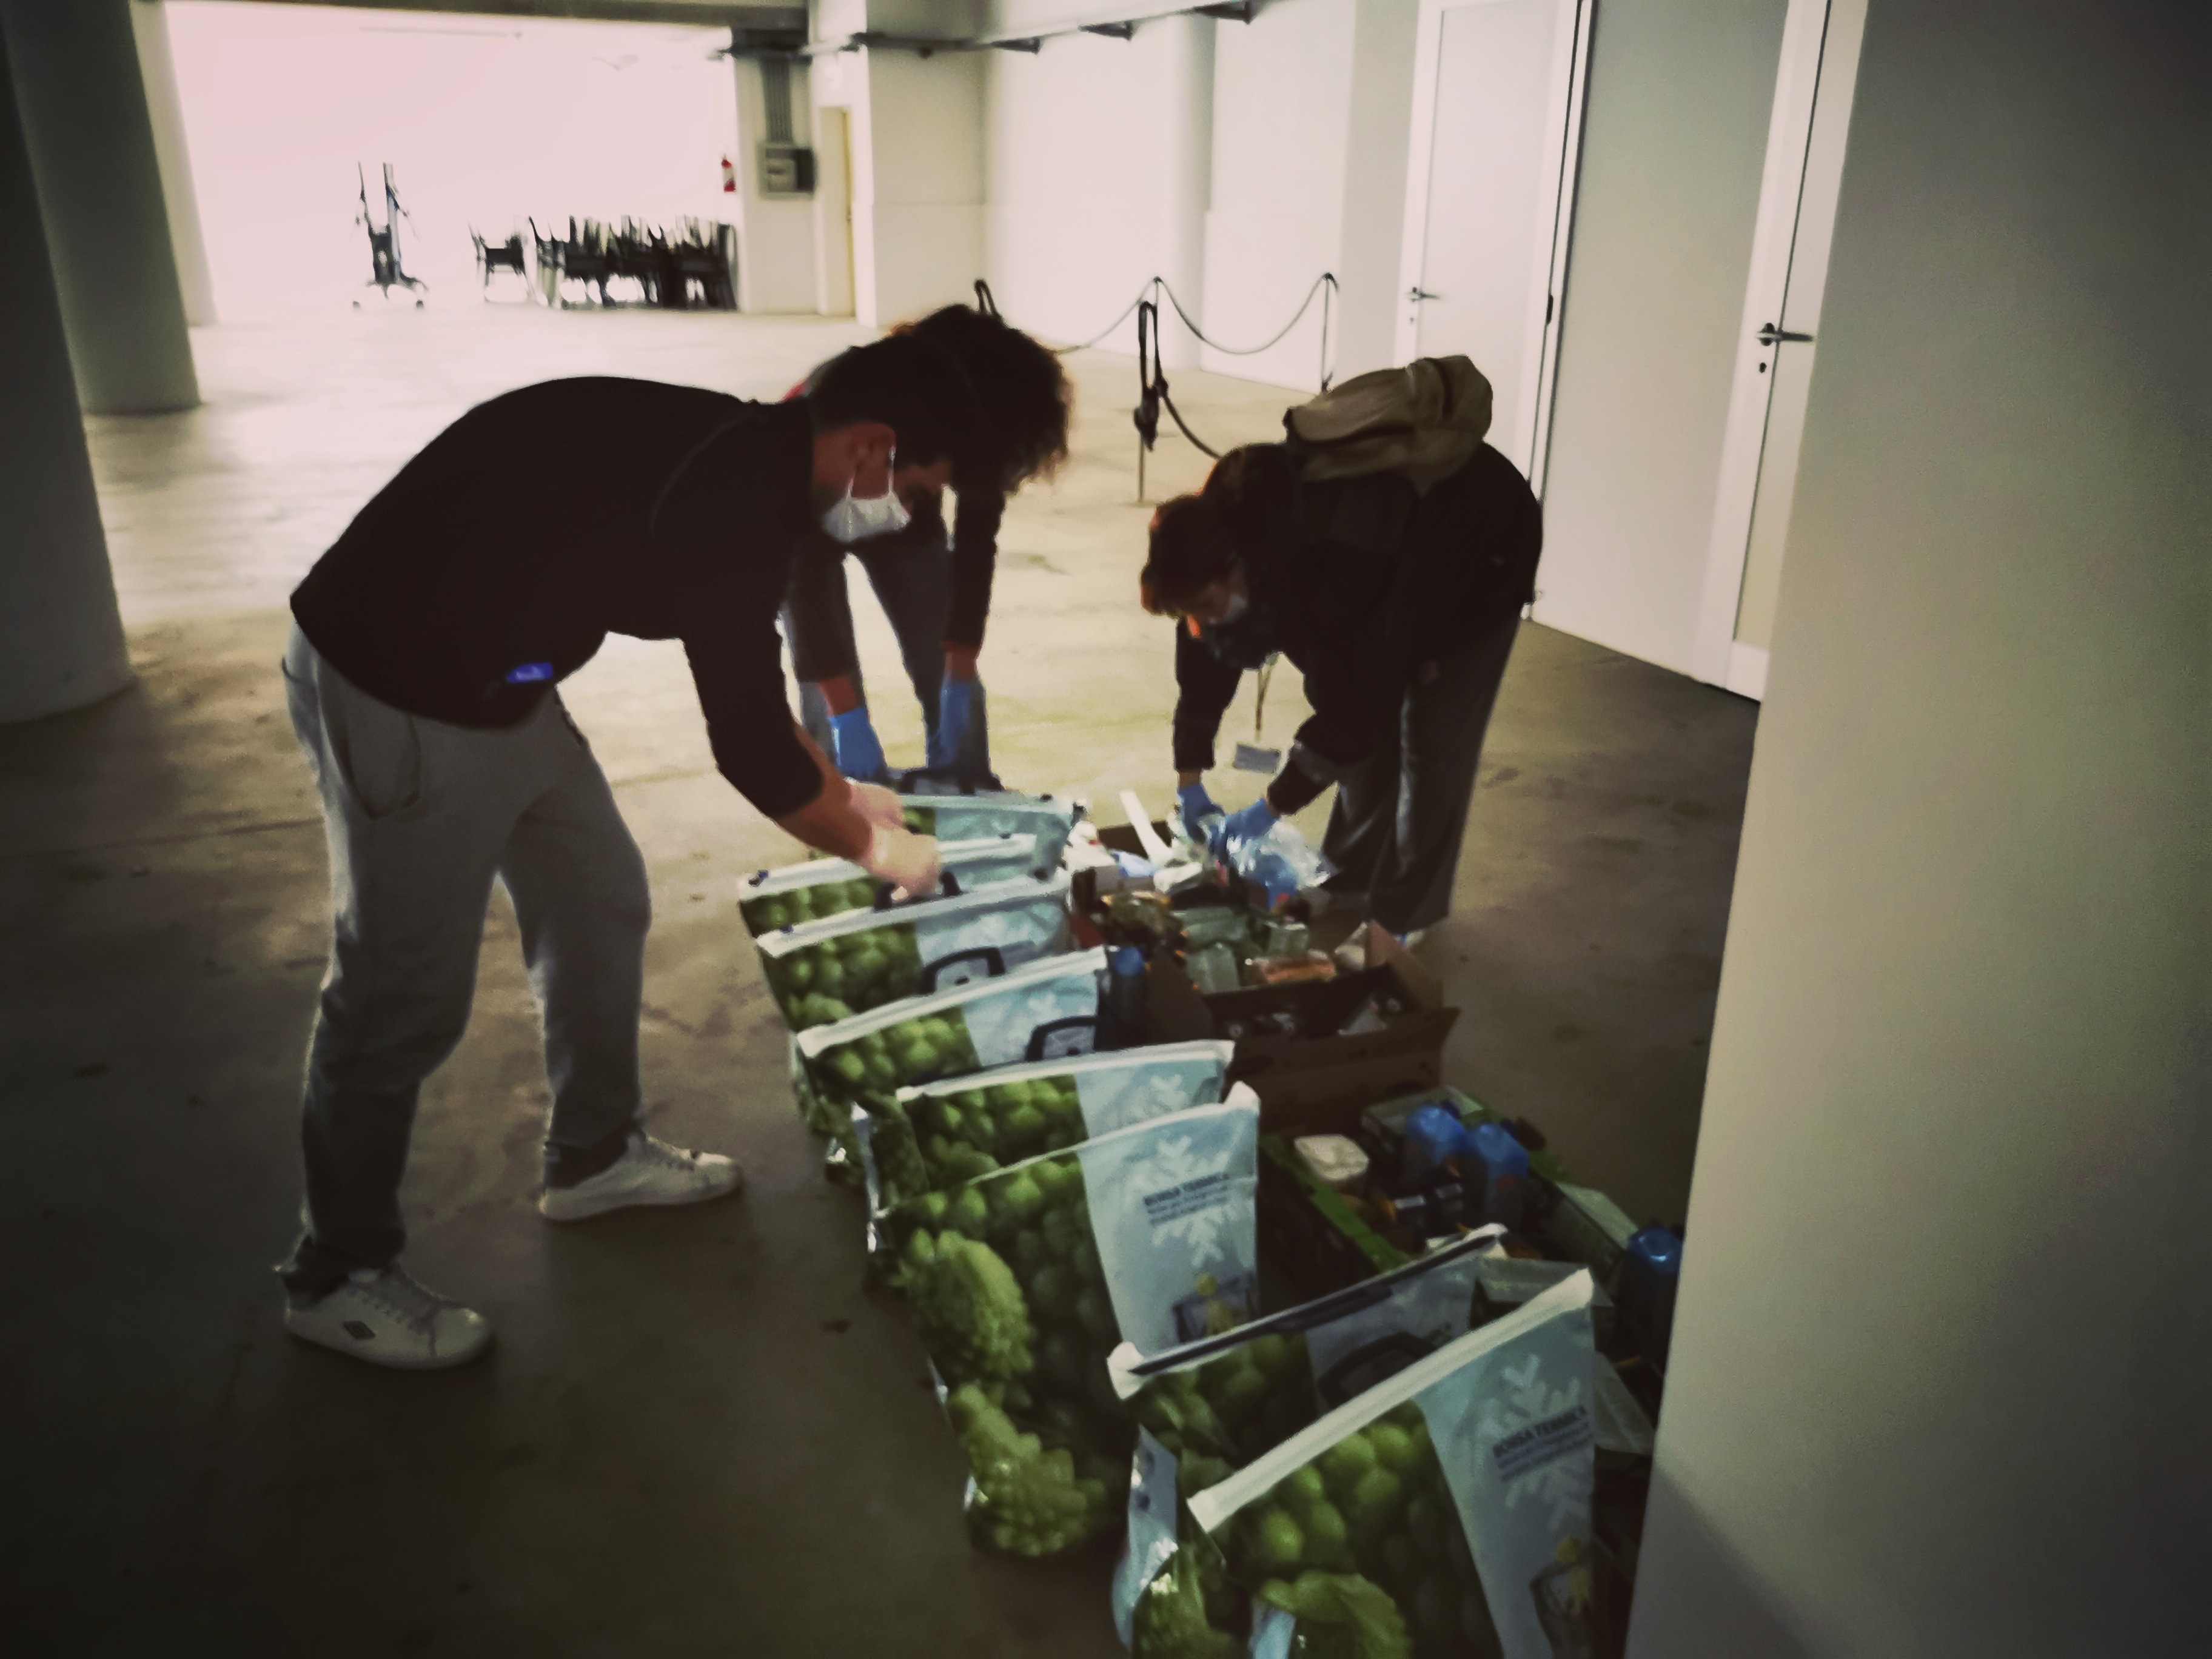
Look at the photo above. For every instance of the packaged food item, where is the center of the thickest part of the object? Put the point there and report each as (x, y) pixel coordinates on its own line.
(1444, 1511)
(1336, 1161)
(829, 970)
(1500, 1172)
(972, 1126)
(1022, 1282)
(1211, 1406)
(1434, 1138)
(1302, 969)
(1212, 969)
(1649, 1271)
(1043, 1010)
(820, 888)
(1043, 821)
(1586, 1226)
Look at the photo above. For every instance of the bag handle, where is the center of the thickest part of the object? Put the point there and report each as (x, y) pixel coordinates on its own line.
(948, 886)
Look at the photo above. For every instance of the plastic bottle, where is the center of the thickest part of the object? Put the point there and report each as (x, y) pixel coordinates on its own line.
(1649, 1270)
(1502, 1163)
(1433, 1136)
(1125, 996)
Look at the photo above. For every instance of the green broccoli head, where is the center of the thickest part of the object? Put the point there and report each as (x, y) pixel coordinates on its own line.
(1343, 1616)
(1170, 1620)
(1363, 1547)
(969, 1308)
(1029, 1501)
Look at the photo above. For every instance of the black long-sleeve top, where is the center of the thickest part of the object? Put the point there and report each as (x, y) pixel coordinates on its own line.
(498, 559)
(1359, 582)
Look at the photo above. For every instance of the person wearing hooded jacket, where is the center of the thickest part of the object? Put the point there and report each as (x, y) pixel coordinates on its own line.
(1398, 606)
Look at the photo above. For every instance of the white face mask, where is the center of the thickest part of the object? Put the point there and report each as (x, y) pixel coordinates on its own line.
(1237, 605)
(857, 518)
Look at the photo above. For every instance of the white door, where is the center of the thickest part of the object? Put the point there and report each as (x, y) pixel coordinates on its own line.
(1780, 332)
(1497, 116)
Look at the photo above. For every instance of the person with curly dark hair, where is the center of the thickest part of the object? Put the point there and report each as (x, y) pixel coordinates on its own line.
(1397, 603)
(935, 590)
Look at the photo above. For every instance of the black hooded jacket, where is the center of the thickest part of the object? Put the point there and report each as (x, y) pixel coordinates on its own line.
(1359, 582)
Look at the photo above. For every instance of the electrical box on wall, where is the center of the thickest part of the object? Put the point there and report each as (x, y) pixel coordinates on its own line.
(787, 170)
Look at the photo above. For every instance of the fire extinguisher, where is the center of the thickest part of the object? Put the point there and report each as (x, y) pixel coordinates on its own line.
(729, 176)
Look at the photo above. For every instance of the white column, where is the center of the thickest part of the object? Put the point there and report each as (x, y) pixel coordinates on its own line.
(149, 20)
(1940, 1366)
(83, 102)
(775, 241)
(920, 186)
(1365, 326)
(1190, 185)
(61, 639)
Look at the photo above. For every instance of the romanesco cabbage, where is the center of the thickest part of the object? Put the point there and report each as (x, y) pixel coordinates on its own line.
(971, 1313)
(1341, 1614)
(1170, 1620)
(1028, 1500)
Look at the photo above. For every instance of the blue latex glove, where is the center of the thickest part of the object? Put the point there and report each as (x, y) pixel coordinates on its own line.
(959, 706)
(1239, 827)
(1197, 807)
(858, 754)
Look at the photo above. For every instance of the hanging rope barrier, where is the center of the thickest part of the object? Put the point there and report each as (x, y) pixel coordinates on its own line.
(1324, 285)
(1152, 391)
(1152, 394)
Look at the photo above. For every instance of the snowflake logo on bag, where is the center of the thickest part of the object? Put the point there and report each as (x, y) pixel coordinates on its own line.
(1530, 1431)
(1185, 1197)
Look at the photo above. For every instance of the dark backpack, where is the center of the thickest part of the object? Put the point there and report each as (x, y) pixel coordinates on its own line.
(1423, 421)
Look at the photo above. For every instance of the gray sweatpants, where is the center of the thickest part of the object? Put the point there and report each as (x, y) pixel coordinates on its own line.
(1399, 817)
(421, 818)
(913, 581)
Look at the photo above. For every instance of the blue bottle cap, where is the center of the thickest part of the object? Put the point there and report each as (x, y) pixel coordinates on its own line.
(1659, 1249)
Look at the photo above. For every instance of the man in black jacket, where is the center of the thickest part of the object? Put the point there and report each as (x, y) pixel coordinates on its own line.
(421, 677)
(1398, 606)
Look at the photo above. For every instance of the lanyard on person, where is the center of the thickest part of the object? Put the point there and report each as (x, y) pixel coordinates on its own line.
(1251, 756)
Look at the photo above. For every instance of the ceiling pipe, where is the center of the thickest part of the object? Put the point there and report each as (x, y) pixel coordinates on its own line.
(1241, 11)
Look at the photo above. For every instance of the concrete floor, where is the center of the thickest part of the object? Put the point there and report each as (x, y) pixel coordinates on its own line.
(696, 1434)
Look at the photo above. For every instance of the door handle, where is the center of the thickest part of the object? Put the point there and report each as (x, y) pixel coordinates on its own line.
(1416, 295)
(1770, 335)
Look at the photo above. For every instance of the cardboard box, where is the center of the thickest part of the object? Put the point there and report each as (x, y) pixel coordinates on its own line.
(1322, 1079)
(1313, 1083)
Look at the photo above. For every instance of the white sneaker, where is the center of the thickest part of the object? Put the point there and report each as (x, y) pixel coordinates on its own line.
(387, 1319)
(1352, 955)
(649, 1171)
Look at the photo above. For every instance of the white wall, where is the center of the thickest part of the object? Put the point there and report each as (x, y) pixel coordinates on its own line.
(776, 233)
(1680, 94)
(1942, 1355)
(1377, 132)
(1282, 105)
(916, 135)
(833, 208)
(1282, 140)
(1081, 174)
(922, 189)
